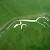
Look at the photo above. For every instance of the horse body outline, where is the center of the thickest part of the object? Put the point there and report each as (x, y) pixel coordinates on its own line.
(36, 20)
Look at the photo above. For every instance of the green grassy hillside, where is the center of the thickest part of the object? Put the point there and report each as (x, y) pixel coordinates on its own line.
(31, 37)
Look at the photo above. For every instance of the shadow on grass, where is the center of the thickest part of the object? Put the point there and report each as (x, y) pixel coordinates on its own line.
(35, 47)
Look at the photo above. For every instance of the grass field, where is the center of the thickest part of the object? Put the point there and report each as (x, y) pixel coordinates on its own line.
(31, 37)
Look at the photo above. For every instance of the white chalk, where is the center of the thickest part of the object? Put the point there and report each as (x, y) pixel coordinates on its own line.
(36, 20)
(20, 25)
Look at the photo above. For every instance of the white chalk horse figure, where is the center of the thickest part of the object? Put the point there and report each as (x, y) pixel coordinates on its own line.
(36, 20)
